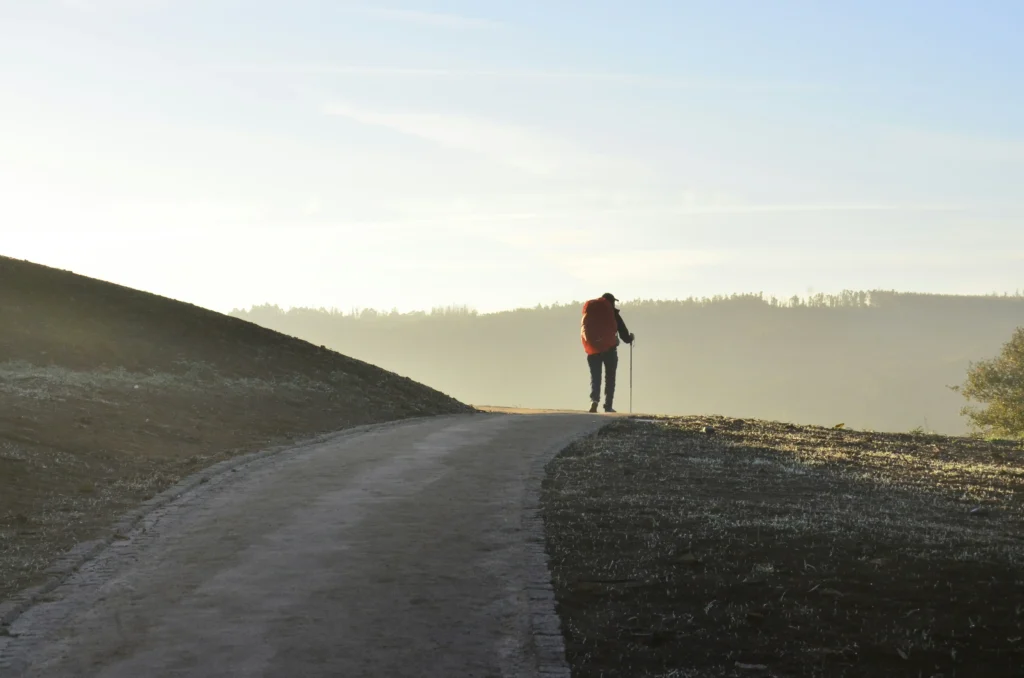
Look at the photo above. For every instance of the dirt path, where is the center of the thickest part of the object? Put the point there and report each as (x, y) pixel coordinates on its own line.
(398, 551)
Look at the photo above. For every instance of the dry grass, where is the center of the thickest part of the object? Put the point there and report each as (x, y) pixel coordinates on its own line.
(771, 549)
(57, 383)
(78, 448)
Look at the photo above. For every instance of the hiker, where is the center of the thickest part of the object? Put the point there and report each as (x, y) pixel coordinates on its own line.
(601, 328)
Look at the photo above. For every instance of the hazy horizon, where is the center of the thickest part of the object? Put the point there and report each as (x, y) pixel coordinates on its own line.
(500, 155)
(884, 365)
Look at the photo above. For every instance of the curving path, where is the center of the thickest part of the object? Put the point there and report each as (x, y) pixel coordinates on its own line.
(399, 550)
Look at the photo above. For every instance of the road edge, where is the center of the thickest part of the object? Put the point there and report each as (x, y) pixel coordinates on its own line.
(545, 624)
(78, 555)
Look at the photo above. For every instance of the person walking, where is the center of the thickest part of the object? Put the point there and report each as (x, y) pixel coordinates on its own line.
(601, 330)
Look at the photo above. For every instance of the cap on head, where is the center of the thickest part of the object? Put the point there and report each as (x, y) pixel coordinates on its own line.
(609, 296)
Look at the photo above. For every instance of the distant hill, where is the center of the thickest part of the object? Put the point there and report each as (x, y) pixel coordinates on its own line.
(871, 359)
(109, 395)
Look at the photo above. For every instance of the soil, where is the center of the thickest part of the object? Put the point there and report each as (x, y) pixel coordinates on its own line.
(766, 549)
(109, 395)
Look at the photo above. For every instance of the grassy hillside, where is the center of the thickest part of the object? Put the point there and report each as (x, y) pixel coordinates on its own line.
(769, 549)
(877, 360)
(109, 395)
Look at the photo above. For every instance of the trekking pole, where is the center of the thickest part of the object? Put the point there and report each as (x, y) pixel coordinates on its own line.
(631, 375)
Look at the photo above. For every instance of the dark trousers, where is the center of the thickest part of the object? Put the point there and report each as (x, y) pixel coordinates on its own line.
(610, 360)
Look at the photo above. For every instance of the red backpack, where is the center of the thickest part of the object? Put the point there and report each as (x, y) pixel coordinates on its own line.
(599, 329)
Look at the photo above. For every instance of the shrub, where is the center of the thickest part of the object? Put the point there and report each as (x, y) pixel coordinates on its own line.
(999, 385)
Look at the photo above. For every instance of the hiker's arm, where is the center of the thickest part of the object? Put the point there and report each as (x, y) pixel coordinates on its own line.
(623, 331)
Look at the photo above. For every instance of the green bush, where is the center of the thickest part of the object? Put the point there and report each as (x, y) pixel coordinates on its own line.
(999, 385)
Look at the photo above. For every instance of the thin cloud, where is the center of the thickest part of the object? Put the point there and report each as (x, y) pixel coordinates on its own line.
(114, 5)
(422, 18)
(520, 147)
(979, 148)
(662, 265)
(672, 210)
(821, 207)
(633, 267)
(535, 76)
(495, 224)
(681, 210)
(784, 259)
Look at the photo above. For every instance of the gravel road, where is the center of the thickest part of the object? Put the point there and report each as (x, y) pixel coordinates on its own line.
(404, 549)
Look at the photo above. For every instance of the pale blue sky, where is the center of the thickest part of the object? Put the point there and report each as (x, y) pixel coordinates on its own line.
(501, 154)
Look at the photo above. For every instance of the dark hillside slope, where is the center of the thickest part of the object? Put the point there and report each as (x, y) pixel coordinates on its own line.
(109, 395)
(54, 317)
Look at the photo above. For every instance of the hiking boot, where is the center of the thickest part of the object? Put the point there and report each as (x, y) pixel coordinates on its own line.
(593, 407)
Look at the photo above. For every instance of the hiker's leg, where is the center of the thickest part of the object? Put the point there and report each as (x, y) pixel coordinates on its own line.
(595, 377)
(611, 363)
